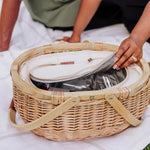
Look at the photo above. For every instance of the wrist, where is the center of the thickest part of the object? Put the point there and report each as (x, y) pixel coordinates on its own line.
(4, 45)
(76, 34)
(77, 31)
(137, 40)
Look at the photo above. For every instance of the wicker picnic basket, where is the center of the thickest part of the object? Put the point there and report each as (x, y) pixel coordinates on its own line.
(77, 115)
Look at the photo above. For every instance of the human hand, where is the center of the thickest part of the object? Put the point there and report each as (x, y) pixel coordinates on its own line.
(130, 51)
(72, 39)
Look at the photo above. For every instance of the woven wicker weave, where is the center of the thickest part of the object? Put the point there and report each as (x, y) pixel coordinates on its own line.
(91, 114)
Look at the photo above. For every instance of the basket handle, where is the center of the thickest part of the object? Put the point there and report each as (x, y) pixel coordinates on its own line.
(117, 105)
(45, 118)
(69, 103)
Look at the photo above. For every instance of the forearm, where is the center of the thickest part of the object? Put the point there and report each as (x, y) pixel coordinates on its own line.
(9, 14)
(141, 32)
(130, 50)
(85, 14)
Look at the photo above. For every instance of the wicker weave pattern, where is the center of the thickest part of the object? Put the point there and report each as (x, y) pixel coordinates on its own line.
(91, 117)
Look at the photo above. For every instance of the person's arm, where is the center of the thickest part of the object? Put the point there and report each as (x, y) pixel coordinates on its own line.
(9, 14)
(131, 48)
(86, 12)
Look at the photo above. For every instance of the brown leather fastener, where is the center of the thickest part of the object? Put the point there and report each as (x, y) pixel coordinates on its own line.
(67, 63)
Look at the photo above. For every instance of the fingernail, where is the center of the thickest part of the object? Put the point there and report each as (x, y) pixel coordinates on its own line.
(116, 67)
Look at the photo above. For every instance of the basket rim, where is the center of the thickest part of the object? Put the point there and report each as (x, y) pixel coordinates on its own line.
(84, 95)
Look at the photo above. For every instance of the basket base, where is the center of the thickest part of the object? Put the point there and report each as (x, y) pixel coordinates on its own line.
(80, 134)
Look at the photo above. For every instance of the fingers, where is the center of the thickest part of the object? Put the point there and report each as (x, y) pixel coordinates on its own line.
(71, 39)
(133, 59)
(128, 53)
(129, 61)
(65, 38)
(75, 38)
(122, 49)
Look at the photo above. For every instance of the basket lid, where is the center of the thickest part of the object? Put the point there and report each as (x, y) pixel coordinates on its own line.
(42, 73)
(100, 76)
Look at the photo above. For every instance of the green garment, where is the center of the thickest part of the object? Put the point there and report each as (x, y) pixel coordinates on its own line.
(54, 13)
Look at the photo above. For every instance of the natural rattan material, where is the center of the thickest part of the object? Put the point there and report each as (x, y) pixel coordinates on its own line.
(93, 116)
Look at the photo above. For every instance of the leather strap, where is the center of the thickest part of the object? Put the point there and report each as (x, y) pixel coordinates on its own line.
(117, 105)
(45, 118)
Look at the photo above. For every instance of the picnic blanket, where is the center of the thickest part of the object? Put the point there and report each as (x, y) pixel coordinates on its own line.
(29, 34)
